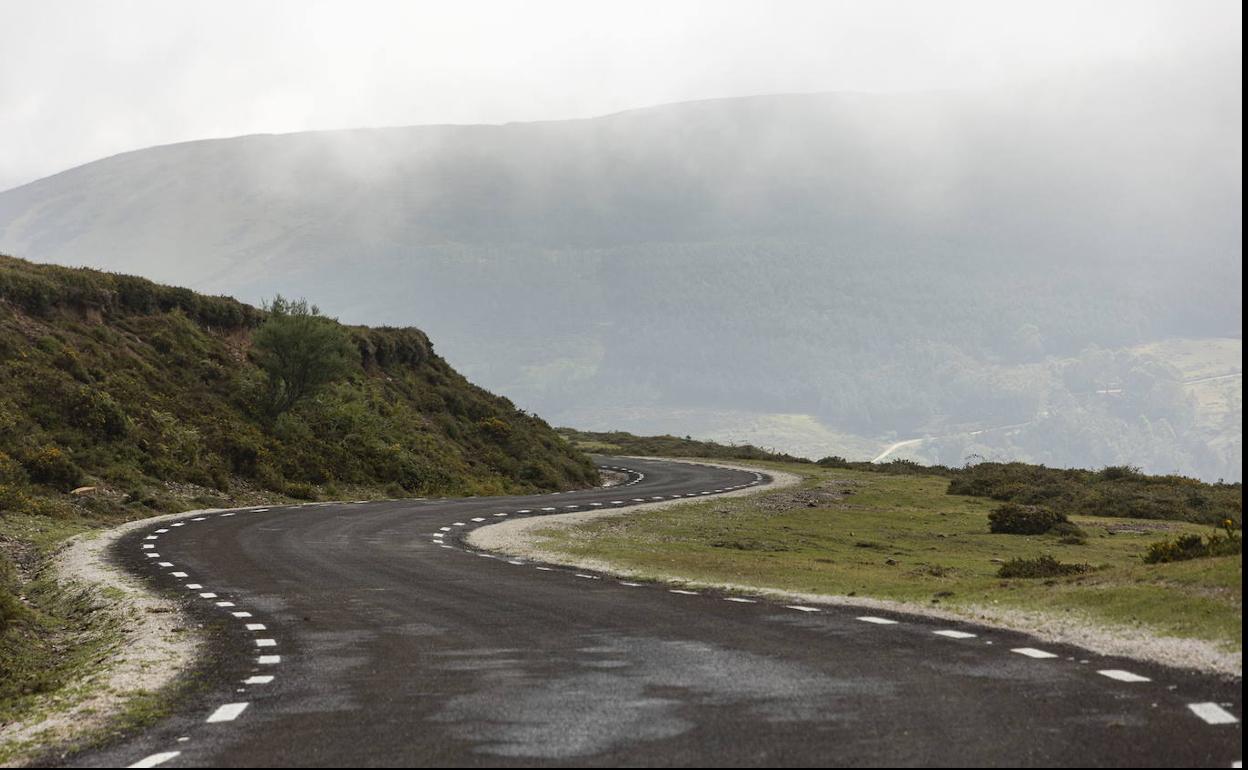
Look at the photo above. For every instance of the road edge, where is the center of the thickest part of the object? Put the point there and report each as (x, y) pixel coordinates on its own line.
(517, 537)
(159, 642)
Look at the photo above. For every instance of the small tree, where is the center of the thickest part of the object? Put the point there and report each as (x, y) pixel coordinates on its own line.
(300, 351)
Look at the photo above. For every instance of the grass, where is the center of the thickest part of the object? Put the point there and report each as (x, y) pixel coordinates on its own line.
(902, 537)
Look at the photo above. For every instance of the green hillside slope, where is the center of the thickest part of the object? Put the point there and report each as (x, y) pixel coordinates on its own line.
(120, 398)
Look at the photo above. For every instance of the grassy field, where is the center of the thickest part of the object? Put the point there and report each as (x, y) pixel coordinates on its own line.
(901, 537)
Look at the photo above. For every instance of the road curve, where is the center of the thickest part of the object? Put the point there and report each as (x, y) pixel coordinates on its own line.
(367, 634)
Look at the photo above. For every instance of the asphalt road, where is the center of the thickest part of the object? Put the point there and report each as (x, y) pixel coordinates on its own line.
(367, 634)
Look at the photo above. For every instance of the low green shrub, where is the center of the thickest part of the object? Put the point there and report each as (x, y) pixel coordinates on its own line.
(1043, 566)
(833, 461)
(300, 490)
(52, 466)
(1227, 542)
(1016, 519)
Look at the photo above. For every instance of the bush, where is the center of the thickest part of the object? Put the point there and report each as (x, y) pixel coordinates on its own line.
(1192, 546)
(1044, 566)
(1120, 491)
(300, 351)
(1015, 519)
(300, 490)
(497, 429)
(97, 413)
(51, 465)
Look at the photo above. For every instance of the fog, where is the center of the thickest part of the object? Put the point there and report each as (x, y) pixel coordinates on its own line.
(1005, 230)
(84, 80)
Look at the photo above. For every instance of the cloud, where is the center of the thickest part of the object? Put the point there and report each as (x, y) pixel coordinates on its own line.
(83, 80)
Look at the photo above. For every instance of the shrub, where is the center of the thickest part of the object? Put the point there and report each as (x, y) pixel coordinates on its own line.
(833, 461)
(1068, 530)
(51, 465)
(1015, 519)
(97, 413)
(1044, 566)
(1120, 491)
(494, 427)
(301, 490)
(300, 351)
(11, 471)
(1193, 546)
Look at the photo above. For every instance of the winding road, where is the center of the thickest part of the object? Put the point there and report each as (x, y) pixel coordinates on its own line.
(368, 634)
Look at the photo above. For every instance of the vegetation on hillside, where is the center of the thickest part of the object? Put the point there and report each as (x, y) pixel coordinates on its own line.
(118, 383)
(1060, 492)
(622, 443)
(120, 398)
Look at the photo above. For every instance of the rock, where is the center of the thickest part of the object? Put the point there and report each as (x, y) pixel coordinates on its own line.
(891, 562)
(83, 491)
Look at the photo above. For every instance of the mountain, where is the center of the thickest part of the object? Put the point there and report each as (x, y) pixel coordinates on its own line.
(988, 272)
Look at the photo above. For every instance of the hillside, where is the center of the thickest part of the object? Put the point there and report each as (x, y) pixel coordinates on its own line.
(993, 270)
(118, 382)
(121, 398)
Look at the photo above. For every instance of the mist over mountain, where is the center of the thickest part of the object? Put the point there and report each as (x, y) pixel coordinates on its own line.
(1049, 273)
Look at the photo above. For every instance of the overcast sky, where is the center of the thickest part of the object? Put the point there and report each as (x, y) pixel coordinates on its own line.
(83, 79)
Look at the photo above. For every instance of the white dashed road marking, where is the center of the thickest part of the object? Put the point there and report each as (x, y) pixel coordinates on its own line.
(157, 759)
(801, 608)
(1213, 713)
(227, 713)
(955, 634)
(877, 621)
(1123, 676)
(1032, 652)
(258, 680)
(269, 660)
(740, 600)
(682, 591)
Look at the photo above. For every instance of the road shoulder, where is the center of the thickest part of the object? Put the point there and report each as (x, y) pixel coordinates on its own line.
(528, 538)
(150, 643)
